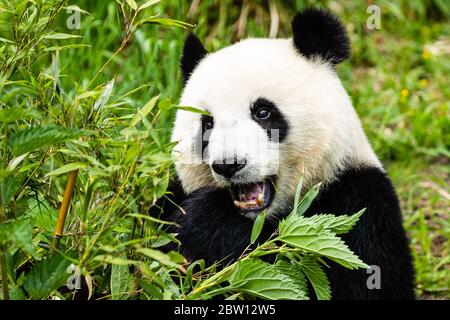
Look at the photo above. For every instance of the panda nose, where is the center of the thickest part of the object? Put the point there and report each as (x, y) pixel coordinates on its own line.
(228, 167)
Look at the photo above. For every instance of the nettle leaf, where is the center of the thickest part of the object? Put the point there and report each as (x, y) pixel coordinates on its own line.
(18, 235)
(318, 278)
(46, 276)
(302, 233)
(15, 114)
(336, 224)
(121, 280)
(292, 270)
(260, 279)
(9, 185)
(37, 137)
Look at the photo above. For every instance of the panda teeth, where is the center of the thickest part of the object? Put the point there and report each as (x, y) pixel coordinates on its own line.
(260, 199)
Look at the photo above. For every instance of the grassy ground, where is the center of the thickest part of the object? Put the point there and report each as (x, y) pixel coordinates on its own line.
(397, 78)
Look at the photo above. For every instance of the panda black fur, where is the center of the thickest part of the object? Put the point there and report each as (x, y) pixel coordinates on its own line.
(211, 225)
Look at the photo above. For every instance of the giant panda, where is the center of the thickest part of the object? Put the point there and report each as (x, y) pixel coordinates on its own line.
(275, 110)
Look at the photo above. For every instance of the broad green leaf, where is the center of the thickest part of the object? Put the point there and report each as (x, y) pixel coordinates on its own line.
(142, 113)
(295, 274)
(38, 137)
(47, 275)
(307, 199)
(66, 168)
(263, 280)
(300, 233)
(257, 227)
(318, 278)
(17, 235)
(336, 224)
(120, 281)
(9, 185)
(16, 293)
(22, 235)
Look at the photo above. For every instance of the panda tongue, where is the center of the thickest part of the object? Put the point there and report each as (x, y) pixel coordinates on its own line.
(250, 193)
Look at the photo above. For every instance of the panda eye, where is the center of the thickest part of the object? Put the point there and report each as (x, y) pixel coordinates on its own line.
(263, 114)
(207, 123)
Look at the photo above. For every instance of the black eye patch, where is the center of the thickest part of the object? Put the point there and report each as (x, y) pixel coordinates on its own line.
(207, 124)
(267, 115)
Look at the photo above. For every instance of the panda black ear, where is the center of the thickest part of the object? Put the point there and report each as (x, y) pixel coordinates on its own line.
(319, 33)
(193, 52)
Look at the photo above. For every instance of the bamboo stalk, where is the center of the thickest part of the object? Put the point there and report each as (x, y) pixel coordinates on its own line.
(62, 213)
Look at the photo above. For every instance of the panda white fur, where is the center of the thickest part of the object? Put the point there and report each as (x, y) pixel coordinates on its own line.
(277, 111)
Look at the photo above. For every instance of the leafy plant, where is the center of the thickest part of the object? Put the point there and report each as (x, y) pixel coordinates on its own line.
(299, 248)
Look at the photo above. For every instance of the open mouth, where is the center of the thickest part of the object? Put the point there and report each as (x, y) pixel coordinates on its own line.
(255, 196)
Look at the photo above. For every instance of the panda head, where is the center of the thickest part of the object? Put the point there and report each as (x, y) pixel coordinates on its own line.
(276, 111)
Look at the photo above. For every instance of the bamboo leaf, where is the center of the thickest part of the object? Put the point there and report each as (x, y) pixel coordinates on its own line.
(38, 137)
(257, 227)
(66, 168)
(142, 113)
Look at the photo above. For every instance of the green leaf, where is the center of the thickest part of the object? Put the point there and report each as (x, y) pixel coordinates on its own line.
(336, 224)
(66, 168)
(9, 185)
(142, 113)
(194, 110)
(295, 274)
(47, 275)
(18, 235)
(257, 227)
(104, 97)
(15, 114)
(318, 278)
(60, 36)
(298, 193)
(132, 4)
(307, 200)
(22, 235)
(159, 256)
(164, 22)
(120, 281)
(38, 137)
(260, 279)
(302, 233)
(148, 4)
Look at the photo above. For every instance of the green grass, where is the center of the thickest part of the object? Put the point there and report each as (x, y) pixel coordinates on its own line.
(397, 81)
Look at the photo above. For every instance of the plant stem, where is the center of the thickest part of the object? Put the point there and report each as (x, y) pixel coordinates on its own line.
(4, 275)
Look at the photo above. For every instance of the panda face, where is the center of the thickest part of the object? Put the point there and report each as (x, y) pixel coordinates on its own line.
(274, 114)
